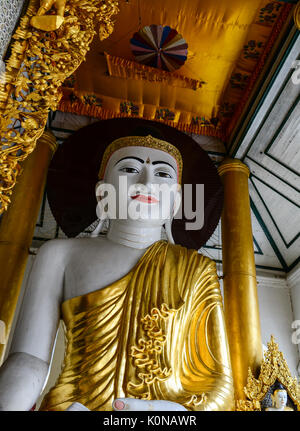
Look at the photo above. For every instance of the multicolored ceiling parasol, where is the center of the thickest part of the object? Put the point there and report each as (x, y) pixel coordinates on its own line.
(159, 46)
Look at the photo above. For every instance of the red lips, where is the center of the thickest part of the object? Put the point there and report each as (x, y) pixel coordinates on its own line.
(146, 199)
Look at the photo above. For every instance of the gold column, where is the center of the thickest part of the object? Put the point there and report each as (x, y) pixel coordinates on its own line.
(297, 15)
(17, 227)
(240, 288)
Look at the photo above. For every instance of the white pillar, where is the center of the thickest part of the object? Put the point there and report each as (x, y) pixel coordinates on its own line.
(293, 280)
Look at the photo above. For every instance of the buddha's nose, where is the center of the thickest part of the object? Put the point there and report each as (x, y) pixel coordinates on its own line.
(146, 177)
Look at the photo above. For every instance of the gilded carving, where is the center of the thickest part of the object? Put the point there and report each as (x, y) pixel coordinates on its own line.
(39, 63)
(274, 370)
(45, 22)
(297, 15)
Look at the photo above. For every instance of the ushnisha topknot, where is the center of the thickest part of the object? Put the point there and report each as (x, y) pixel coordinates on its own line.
(141, 141)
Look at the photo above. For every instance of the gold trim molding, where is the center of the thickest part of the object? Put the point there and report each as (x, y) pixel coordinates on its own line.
(38, 65)
(141, 141)
(297, 15)
(229, 165)
(273, 369)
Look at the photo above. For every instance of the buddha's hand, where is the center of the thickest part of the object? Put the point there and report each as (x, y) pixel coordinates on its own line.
(132, 404)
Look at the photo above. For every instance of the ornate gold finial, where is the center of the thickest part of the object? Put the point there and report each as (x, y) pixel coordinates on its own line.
(44, 22)
(273, 369)
(297, 15)
(141, 141)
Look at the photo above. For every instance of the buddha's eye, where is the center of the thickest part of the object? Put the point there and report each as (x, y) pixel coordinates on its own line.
(163, 174)
(129, 170)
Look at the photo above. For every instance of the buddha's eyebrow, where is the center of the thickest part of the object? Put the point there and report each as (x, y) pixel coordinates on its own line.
(130, 157)
(158, 162)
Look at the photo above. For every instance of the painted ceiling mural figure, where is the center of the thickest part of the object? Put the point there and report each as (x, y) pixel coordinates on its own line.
(143, 316)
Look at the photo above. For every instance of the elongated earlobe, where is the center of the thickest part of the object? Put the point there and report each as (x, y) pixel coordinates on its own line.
(97, 186)
(168, 228)
(177, 201)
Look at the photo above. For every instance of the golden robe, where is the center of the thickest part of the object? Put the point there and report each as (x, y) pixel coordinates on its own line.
(157, 333)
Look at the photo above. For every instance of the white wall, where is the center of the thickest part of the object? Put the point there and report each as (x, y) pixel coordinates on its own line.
(293, 281)
(276, 316)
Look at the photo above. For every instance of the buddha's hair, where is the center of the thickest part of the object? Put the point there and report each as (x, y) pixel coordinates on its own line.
(279, 390)
(141, 141)
(278, 387)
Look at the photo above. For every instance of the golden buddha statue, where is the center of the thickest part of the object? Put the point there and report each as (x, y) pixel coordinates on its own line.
(143, 316)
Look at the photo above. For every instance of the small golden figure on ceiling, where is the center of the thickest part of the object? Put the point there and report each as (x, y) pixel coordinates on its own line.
(49, 22)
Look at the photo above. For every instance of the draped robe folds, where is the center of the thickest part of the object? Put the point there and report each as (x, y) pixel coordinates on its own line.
(157, 333)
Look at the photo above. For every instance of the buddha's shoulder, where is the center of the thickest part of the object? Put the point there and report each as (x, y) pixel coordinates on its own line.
(190, 253)
(68, 245)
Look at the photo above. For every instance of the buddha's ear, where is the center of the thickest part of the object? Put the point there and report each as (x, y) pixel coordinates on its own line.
(97, 189)
(177, 201)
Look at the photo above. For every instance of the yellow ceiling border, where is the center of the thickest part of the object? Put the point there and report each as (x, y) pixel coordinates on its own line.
(280, 22)
(91, 105)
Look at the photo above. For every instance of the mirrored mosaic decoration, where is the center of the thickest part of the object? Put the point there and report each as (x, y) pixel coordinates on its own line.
(10, 11)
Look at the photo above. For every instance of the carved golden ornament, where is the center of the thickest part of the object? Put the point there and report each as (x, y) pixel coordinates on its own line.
(49, 22)
(108, 9)
(141, 141)
(273, 368)
(297, 15)
(146, 354)
(38, 65)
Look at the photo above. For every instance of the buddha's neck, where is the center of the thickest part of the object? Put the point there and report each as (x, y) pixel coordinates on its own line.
(133, 235)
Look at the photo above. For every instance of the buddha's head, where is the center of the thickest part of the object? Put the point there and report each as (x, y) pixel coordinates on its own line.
(74, 174)
(142, 177)
(279, 398)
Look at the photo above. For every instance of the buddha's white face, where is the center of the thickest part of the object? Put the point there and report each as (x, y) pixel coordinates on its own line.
(146, 181)
(280, 399)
